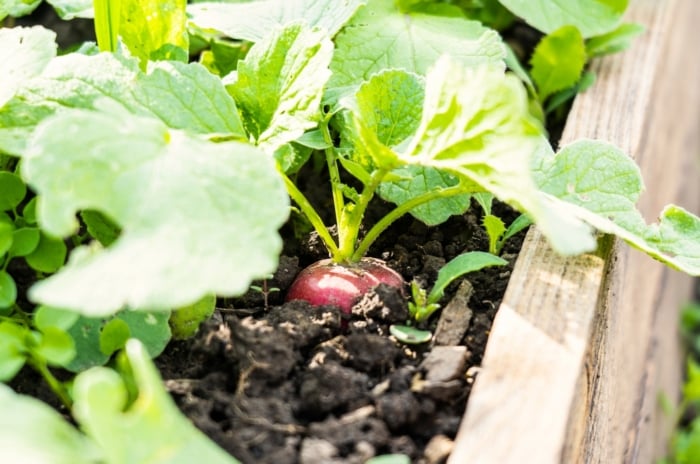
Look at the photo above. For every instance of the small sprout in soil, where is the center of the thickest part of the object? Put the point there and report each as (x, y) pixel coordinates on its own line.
(494, 226)
(328, 283)
(423, 306)
(410, 335)
(265, 290)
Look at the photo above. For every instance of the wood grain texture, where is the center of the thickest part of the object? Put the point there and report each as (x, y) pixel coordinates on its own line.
(579, 348)
(635, 350)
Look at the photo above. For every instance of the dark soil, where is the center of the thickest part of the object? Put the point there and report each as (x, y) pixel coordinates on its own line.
(292, 383)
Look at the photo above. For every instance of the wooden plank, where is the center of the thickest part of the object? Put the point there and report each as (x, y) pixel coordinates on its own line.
(545, 392)
(519, 403)
(637, 322)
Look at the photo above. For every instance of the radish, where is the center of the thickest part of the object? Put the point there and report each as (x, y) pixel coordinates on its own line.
(328, 283)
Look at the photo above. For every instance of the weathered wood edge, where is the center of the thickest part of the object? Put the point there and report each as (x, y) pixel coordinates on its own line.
(635, 352)
(532, 400)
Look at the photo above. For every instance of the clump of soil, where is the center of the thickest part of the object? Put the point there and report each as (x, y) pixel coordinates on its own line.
(292, 383)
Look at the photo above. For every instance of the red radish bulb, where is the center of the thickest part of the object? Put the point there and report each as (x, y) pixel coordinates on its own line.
(329, 283)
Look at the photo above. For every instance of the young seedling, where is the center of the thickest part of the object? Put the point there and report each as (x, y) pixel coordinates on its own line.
(424, 303)
(265, 290)
(494, 226)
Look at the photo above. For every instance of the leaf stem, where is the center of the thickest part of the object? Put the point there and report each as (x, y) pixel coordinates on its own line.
(58, 388)
(399, 211)
(107, 20)
(333, 173)
(308, 210)
(351, 228)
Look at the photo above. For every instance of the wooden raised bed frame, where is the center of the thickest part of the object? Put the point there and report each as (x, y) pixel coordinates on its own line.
(582, 347)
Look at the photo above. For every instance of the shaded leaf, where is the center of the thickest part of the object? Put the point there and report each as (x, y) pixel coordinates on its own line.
(600, 184)
(191, 211)
(420, 180)
(381, 36)
(154, 29)
(48, 256)
(24, 52)
(254, 20)
(134, 432)
(558, 61)
(12, 191)
(476, 125)
(33, 432)
(280, 84)
(591, 17)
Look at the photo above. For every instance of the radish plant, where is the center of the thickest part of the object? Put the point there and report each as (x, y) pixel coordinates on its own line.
(183, 172)
(201, 166)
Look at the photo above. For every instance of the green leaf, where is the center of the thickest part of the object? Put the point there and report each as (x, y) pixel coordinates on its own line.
(48, 256)
(614, 41)
(223, 55)
(686, 445)
(495, 228)
(8, 290)
(292, 156)
(107, 21)
(100, 227)
(155, 29)
(558, 61)
(12, 191)
(17, 8)
(97, 338)
(485, 201)
(191, 211)
(600, 184)
(389, 105)
(85, 333)
(420, 180)
(98, 77)
(29, 212)
(184, 322)
(380, 36)
(514, 65)
(24, 52)
(476, 125)
(46, 316)
(187, 96)
(12, 350)
(168, 92)
(134, 432)
(113, 336)
(34, 432)
(591, 17)
(254, 20)
(24, 241)
(150, 328)
(6, 236)
(489, 12)
(520, 223)
(691, 388)
(390, 459)
(410, 335)
(70, 9)
(56, 346)
(280, 84)
(457, 267)
(586, 81)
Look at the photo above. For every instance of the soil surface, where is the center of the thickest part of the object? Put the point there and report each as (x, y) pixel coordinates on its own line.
(275, 382)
